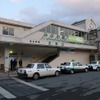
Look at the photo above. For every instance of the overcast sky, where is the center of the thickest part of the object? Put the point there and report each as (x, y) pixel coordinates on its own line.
(37, 11)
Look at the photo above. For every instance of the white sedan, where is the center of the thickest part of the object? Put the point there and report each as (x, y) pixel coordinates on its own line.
(37, 70)
(73, 67)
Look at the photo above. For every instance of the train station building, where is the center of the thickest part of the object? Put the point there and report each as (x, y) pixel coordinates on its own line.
(52, 42)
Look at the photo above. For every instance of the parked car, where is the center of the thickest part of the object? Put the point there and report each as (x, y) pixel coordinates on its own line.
(73, 67)
(94, 65)
(36, 70)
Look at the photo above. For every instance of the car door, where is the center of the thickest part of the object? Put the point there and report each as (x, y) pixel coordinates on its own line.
(79, 66)
(49, 69)
(99, 64)
(41, 69)
(76, 66)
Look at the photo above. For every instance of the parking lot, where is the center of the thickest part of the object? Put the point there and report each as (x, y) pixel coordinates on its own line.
(79, 86)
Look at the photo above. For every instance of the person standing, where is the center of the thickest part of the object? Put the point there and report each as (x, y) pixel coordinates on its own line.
(20, 63)
(15, 64)
(11, 64)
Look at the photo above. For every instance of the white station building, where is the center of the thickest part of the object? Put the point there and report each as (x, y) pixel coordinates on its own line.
(52, 42)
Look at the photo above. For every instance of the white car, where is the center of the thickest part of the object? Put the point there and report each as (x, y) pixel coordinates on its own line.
(94, 65)
(73, 67)
(37, 70)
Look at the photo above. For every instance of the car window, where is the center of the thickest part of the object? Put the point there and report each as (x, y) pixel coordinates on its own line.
(48, 66)
(40, 66)
(74, 64)
(93, 62)
(79, 64)
(66, 63)
(30, 66)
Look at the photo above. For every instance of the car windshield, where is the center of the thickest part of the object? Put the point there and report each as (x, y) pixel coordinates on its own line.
(30, 66)
(66, 63)
(93, 62)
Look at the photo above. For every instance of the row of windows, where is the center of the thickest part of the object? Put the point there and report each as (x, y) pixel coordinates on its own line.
(62, 31)
(49, 29)
(39, 66)
(42, 66)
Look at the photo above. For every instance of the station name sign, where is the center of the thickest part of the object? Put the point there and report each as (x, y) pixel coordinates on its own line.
(64, 38)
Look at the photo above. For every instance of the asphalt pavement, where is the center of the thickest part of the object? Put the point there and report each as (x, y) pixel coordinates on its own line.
(79, 86)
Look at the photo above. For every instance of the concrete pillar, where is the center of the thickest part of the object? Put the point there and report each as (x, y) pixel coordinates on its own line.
(6, 59)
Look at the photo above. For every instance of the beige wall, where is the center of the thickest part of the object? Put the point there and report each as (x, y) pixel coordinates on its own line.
(17, 30)
(1, 29)
(35, 36)
(82, 57)
(1, 55)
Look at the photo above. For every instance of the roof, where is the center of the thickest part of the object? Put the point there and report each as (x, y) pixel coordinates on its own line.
(77, 22)
(16, 23)
(98, 28)
(52, 22)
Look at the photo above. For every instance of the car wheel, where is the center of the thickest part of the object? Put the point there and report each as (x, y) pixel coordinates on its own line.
(72, 71)
(57, 73)
(35, 76)
(98, 69)
(86, 70)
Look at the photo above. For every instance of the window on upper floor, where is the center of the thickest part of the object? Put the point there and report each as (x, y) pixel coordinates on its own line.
(62, 31)
(8, 31)
(50, 29)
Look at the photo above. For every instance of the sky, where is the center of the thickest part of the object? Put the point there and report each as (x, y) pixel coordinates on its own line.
(38, 11)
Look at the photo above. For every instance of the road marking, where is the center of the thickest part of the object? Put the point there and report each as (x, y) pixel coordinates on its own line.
(31, 85)
(6, 94)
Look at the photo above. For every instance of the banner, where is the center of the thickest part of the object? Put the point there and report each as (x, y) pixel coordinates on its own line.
(75, 39)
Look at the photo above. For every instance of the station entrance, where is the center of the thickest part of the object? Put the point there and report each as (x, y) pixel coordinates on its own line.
(27, 53)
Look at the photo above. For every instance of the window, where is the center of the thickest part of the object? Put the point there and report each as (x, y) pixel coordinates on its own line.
(74, 64)
(66, 63)
(79, 64)
(40, 66)
(30, 66)
(48, 29)
(47, 66)
(62, 31)
(93, 62)
(11, 31)
(5, 30)
(52, 29)
(66, 31)
(8, 31)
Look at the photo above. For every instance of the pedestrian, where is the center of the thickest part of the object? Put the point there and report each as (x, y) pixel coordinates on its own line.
(20, 63)
(11, 64)
(15, 64)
